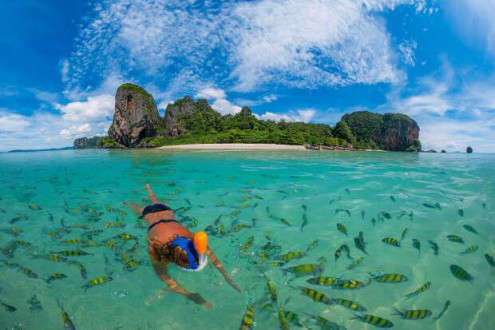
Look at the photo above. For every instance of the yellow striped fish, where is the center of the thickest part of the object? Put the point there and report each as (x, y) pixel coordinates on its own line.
(413, 314)
(390, 278)
(419, 290)
(349, 284)
(247, 322)
(323, 280)
(304, 269)
(317, 296)
(97, 281)
(349, 304)
(374, 320)
(391, 241)
(282, 320)
(291, 255)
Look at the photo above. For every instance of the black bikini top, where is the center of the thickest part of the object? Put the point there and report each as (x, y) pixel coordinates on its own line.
(153, 208)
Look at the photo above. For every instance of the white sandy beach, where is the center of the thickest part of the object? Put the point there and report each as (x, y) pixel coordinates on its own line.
(234, 146)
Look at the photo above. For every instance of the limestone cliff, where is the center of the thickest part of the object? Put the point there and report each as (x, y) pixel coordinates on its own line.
(136, 116)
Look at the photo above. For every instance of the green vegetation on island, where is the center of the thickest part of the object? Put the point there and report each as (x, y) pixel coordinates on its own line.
(189, 121)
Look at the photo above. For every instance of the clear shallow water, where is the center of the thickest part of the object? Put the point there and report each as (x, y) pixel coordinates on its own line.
(89, 188)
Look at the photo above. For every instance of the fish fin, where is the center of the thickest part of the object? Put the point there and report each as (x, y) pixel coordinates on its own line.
(397, 312)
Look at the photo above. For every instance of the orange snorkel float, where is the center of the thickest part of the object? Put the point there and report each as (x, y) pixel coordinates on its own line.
(200, 243)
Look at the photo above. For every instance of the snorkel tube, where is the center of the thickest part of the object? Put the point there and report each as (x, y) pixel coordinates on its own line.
(200, 241)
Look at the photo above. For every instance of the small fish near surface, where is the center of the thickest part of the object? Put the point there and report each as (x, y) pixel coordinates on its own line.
(403, 234)
(390, 278)
(97, 281)
(470, 229)
(35, 304)
(325, 324)
(304, 269)
(282, 320)
(419, 290)
(272, 290)
(470, 249)
(342, 248)
(291, 255)
(293, 318)
(433, 206)
(342, 228)
(246, 246)
(317, 296)
(247, 321)
(460, 273)
(34, 207)
(490, 259)
(68, 324)
(355, 263)
(323, 280)
(359, 242)
(442, 312)
(413, 314)
(346, 211)
(73, 253)
(7, 307)
(349, 284)
(373, 320)
(460, 212)
(434, 246)
(391, 241)
(455, 239)
(349, 304)
(416, 244)
(55, 276)
(304, 222)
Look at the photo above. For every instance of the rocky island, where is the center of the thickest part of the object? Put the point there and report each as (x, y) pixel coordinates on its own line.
(138, 124)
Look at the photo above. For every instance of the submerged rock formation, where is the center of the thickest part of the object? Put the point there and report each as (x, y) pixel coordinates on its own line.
(136, 116)
(391, 131)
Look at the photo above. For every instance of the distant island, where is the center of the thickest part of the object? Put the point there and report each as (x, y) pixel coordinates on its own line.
(137, 124)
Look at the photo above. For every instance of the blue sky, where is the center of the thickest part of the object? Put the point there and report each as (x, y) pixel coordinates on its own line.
(310, 60)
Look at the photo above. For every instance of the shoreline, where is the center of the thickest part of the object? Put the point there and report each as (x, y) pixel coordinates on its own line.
(234, 146)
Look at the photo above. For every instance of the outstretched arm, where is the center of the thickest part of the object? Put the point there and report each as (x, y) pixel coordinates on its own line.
(161, 271)
(151, 194)
(222, 270)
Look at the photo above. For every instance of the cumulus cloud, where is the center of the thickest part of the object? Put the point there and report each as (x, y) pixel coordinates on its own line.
(94, 108)
(89, 117)
(218, 100)
(243, 44)
(451, 114)
(303, 115)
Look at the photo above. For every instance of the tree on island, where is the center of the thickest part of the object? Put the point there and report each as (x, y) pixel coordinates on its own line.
(469, 150)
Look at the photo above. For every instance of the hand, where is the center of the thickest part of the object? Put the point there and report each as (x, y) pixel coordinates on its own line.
(196, 297)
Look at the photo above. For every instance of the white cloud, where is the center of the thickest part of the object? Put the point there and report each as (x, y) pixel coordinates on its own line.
(43, 130)
(94, 108)
(219, 101)
(211, 93)
(247, 44)
(303, 115)
(11, 122)
(406, 50)
(474, 21)
(451, 114)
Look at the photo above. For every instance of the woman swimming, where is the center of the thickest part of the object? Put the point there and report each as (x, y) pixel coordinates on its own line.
(169, 241)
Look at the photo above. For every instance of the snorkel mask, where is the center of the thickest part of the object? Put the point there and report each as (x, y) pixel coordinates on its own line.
(195, 249)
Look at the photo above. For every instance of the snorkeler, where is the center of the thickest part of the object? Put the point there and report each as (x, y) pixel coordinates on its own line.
(169, 241)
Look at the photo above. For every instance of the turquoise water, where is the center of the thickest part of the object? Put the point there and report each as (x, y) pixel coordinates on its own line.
(86, 190)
